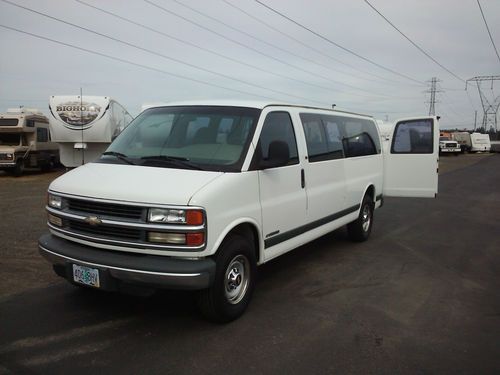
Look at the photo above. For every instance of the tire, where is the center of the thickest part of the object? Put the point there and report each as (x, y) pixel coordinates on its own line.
(19, 168)
(360, 229)
(231, 291)
(48, 165)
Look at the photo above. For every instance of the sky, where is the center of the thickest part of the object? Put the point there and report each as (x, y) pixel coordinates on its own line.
(314, 52)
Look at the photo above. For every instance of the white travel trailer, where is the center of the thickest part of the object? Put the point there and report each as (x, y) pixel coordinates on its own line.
(85, 126)
(25, 141)
(473, 142)
(385, 130)
(197, 195)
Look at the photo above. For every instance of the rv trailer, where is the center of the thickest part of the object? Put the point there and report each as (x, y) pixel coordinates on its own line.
(25, 141)
(473, 142)
(85, 126)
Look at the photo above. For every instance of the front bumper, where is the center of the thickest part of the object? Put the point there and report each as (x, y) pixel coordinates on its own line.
(117, 270)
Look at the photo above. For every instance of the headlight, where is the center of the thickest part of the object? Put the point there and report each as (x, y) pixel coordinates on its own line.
(55, 201)
(173, 216)
(9, 156)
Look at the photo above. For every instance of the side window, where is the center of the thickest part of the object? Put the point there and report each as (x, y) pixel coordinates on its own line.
(314, 131)
(323, 137)
(361, 138)
(359, 145)
(413, 137)
(333, 136)
(42, 135)
(278, 127)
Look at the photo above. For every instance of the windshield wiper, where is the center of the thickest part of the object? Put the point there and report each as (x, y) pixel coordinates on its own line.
(175, 160)
(120, 156)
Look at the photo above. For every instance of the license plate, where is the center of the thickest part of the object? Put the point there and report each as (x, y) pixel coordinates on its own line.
(86, 275)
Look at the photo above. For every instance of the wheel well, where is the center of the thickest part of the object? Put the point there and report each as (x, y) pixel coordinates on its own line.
(371, 192)
(249, 232)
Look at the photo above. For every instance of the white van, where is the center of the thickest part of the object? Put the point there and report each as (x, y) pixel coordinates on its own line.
(195, 196)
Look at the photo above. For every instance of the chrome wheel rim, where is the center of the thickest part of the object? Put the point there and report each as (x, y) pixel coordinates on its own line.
(236, 279)
(366, 218)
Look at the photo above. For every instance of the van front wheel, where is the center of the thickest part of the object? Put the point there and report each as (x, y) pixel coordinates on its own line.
(360, 229)
(231, 291)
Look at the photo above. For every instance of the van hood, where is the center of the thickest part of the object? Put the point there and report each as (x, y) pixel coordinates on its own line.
(139, 184)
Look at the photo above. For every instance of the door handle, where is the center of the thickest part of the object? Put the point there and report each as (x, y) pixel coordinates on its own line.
(302, 178)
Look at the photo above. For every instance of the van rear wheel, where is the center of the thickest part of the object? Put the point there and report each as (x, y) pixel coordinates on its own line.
(231, 291)
(360, 229)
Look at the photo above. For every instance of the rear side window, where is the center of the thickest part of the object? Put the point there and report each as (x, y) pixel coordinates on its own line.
(278, 127)
(323, 137)
(413, 137)
(359, 145)
(361, 138)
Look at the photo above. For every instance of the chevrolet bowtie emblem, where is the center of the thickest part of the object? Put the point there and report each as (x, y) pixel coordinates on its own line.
(93, 220)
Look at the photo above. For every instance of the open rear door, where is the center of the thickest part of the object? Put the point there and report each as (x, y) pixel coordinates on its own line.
(411, 160)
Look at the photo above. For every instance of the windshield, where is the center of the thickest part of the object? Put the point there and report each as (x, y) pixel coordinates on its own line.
(7, 139)
(191, 137)
(444, 139)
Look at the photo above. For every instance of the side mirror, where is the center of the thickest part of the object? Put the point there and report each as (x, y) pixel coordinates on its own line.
(278, 155)
(32, 143)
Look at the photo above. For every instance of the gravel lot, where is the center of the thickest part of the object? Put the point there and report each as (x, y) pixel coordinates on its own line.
(421, 296)
(22, 202)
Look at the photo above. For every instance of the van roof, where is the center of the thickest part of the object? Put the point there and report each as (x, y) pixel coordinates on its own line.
(247, 104)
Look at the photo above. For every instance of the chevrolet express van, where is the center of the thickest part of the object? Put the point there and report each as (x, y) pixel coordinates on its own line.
(197, 195)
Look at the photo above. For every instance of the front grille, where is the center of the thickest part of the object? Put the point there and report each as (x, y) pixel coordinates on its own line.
(103, 230)
(106, 209)
(453, 145)
(120, 224)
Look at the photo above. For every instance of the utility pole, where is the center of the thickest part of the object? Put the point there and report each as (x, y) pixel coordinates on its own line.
(490, 102)
(433, 90)
(475, 119)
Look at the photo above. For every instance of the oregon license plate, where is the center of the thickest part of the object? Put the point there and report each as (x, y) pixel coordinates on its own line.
(86, 275)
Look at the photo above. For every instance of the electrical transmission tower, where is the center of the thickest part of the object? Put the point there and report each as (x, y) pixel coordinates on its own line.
(490, 103)
(433, 90)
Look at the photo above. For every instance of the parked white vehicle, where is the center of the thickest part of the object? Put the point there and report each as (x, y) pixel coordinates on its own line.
(473, 142)
(448, 146)
(84, 127)
(480, 142)
(385, 129)
(25, 141)
(196, 195)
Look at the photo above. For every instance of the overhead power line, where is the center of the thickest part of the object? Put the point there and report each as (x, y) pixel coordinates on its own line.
(215, 53)
(338, 45)
(158, 54)
(318, 51)
(488, 29)
(223, 36)
(413, 43)
(38, 36)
